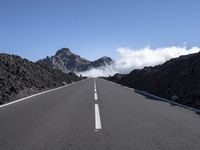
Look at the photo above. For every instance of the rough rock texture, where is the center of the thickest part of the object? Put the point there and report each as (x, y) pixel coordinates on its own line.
(177, 79)
(116, 78)
(20, 77)
(67, 61)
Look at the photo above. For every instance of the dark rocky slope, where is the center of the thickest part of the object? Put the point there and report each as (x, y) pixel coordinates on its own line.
(116, 78)
(177, 79)
(67, 61)
(20, 77)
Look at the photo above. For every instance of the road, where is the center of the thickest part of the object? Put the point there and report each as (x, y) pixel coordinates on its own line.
(95, 114)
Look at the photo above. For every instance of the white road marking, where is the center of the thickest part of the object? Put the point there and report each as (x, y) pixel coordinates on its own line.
(25, 98)
(97, 118)
(163, 99)
(95, 90)
(95, 96)
(169, 101)
(95, 84)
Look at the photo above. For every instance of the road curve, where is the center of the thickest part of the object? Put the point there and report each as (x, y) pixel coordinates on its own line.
(97, 115)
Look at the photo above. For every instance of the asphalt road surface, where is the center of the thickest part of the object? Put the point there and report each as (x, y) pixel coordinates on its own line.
(97, 115)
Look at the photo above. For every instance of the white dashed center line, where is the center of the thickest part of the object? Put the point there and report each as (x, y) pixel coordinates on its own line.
(97, 118)
(95, 96)
(95, 84)
(96, 107)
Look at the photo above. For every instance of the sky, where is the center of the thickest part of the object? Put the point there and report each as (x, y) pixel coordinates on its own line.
(35, 29)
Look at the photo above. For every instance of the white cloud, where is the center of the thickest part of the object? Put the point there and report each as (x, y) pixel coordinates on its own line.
(101, 71)
(129, 59)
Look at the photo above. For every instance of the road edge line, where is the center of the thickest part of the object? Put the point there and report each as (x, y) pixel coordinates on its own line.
(160, 98)
(40, 93)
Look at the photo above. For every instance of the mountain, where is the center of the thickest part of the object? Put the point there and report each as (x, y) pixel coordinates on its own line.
(178, 79)
(67, 61)
(20, 77)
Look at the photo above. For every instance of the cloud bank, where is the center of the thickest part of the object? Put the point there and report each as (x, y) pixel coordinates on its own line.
(129, 59)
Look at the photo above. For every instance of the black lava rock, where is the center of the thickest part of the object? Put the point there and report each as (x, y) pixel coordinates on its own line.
(20, 77)
(178, 79)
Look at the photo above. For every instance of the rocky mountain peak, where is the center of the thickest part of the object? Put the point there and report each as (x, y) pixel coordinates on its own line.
(64, 52)
(67, 61)
(106, 59)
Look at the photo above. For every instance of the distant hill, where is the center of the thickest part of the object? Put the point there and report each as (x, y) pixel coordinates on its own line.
(20, 77)
(67, 61)
(177, 79)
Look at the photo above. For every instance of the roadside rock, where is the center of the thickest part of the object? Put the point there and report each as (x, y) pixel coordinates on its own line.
(116, 78)
(178, 79)
(20, 77)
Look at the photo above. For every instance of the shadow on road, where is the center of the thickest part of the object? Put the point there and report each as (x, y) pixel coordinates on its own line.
(149, 97)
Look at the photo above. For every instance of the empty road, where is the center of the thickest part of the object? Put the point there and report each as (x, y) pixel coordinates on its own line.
(95, 114)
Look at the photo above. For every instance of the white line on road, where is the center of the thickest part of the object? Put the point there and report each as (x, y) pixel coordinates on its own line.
(95, 90)
(169, 101)
(163, 99)
(28, 97)
(95, 84)
(97, 118)
(95, 96)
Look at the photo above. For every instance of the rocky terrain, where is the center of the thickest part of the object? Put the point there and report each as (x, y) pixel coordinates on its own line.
(178, 79)
(116, 78)
(67, 61)
(20, 77)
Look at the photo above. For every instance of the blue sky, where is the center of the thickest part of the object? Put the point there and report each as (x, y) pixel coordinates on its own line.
(93, 28)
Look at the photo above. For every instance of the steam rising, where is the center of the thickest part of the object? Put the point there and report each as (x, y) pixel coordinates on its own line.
(129, 59)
